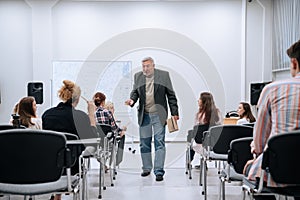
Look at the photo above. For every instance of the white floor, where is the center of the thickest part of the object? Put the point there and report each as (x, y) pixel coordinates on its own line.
(129, 185)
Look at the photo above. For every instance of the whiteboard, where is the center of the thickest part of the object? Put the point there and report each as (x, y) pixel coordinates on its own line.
(113, 78)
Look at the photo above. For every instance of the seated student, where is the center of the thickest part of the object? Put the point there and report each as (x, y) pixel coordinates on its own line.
(245, 114)
(26, 109)
(110, 106)
(278, 113)
(104, 116)
(65, 118)
(209, 114)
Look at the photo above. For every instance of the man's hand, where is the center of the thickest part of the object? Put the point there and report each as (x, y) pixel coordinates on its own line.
(129, 102)
(176, 117)
(124, 128)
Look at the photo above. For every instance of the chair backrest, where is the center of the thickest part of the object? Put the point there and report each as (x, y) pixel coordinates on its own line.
(190, 135)
(249, 124)
(239, 153)
(280, 158)
(103, 129)
(198, 132)
(8, 126)
(31, 156)
(221, 136)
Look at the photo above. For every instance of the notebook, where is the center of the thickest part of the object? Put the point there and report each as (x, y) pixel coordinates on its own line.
(172, 124)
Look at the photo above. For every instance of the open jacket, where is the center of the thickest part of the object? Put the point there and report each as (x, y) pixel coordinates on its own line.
(163, 95)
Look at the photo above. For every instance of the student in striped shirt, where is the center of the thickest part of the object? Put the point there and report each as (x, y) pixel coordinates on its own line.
(278, 112)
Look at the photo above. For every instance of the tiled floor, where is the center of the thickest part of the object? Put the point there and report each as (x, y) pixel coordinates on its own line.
(129, 185)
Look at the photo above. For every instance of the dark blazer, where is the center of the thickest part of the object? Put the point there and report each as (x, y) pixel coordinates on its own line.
(163, 94)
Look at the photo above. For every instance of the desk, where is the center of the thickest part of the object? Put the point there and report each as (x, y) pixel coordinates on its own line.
(84, 141)
(231, 120)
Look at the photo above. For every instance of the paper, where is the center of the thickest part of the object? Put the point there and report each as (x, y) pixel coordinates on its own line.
(172, 124)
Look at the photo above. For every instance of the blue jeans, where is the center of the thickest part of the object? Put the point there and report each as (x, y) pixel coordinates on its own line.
(152, 126)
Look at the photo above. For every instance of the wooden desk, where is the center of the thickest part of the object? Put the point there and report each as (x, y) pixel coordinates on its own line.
(231, 120)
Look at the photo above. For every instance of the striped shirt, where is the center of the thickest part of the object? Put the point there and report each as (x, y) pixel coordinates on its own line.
(278, 112)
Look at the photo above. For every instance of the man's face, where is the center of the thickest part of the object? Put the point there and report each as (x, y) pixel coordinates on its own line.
(148, 68)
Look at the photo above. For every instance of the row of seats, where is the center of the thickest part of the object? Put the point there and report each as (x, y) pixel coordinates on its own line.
(39, 162)
(231, 144)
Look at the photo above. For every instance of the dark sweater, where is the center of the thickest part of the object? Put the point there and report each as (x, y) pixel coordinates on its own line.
(64, 118)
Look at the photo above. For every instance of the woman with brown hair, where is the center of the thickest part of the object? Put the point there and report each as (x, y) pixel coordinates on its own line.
(26, 109)
(106, 116)
(245, 113)
(208, 114)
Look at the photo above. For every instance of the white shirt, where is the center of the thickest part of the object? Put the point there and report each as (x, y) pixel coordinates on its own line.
(242, 121)
(37, 123)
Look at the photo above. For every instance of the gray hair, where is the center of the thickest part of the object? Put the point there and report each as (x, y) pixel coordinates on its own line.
(148, 59)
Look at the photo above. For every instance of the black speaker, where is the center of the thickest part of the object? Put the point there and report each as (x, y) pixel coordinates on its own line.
(35, 89)
(255, 90)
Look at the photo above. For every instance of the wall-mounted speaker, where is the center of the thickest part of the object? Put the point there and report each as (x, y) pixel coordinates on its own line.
(255, 90)
(35, 89)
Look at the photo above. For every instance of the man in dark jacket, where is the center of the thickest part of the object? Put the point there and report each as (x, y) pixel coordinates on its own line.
(153, 88)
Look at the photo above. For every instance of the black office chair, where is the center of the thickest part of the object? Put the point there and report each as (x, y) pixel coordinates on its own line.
(216, 143)
(249, 124)
(33, 162)
(279, 162)
(195, 134)
(107, 150)
(189, 153)
(238, 155)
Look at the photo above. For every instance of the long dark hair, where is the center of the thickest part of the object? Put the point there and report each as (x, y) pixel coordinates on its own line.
(208, 109)
(248, 113)
(25, 110)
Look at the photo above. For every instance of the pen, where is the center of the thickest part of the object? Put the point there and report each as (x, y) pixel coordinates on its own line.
(84, 98)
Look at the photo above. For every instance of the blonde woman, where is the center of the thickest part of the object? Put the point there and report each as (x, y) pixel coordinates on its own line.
(66, 118)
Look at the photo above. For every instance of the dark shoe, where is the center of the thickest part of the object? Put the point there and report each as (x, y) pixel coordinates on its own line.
(159, 177)
(143, 174)
(106, 168)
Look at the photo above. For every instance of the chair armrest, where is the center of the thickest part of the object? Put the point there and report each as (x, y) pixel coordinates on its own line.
(261, 182)
(264, 169)
(68, 164)
(68, 155)
(206, 140)
(229, 157)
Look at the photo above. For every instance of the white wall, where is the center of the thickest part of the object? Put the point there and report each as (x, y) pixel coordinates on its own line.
(200, 43)
(259, 43)
(16, 54)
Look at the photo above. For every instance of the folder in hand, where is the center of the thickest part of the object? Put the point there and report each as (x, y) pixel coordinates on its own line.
(172, 124)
